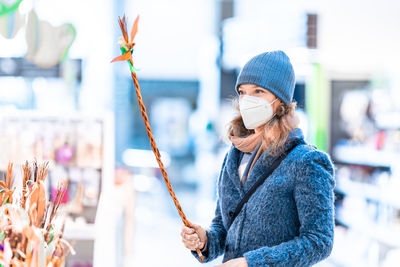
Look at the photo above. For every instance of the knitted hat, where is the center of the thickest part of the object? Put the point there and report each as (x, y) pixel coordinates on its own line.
(272, 71)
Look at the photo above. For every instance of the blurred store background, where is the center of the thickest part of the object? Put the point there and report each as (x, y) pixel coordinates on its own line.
(61, 100)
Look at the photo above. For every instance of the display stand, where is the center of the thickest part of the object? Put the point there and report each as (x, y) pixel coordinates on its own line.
(80, 149)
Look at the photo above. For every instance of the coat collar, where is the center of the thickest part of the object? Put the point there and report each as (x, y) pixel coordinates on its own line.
(260, 167)
(264, 162)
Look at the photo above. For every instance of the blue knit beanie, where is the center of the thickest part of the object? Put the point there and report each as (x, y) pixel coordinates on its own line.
(272, 71)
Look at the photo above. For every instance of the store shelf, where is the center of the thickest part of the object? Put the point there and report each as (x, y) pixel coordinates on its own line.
(363, 155)
(369, 191)
(386, 235)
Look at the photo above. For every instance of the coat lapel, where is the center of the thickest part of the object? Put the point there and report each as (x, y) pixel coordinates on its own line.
(259, 169)
(262, 165)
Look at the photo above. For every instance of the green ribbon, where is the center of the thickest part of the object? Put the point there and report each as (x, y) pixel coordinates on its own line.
(51, 234)
(51, 238)
(70, 29)
(2, 236)
(7, 8)
(7, 200)
(124, 50)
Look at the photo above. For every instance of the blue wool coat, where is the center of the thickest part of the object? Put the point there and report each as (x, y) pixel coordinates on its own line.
(288, 221)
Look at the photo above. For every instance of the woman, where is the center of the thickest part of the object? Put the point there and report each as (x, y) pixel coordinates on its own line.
(289, 219)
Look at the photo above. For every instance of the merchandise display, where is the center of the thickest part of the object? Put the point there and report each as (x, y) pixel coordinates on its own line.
(31, 228)
(74, 147)
(11, 23)
(47, 45)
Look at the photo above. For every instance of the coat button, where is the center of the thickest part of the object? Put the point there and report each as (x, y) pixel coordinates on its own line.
(230, 214)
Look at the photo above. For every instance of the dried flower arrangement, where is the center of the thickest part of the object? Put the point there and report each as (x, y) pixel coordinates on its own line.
(29, 232)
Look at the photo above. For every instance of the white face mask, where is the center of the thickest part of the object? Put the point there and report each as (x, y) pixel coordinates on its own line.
(255, 111)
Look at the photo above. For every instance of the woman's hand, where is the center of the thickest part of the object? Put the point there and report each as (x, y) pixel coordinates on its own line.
(239, 262)
(194, 237)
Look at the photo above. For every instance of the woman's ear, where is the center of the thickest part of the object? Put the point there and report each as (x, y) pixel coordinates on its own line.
(280, 110)
(276, 106)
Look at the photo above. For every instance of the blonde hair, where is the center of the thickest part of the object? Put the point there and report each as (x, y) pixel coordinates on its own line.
(275, 132)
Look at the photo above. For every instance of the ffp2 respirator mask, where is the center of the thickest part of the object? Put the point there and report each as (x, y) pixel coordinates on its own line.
(255, 111)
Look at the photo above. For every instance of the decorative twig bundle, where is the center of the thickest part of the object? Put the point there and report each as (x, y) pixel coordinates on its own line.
(28, 236)
(6, 194)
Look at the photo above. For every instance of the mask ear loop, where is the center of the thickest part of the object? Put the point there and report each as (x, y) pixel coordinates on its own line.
(274, 101)
(271, 107)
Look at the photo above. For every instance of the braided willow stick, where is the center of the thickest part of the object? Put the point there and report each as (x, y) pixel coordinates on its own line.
(127, 49)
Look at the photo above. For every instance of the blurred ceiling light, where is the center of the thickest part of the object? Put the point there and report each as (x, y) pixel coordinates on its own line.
(144, 158)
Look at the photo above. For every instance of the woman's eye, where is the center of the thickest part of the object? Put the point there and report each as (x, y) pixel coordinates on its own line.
(240, 92)
(260, 91)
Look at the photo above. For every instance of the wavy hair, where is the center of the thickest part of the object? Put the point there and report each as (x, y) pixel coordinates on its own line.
(275, 132)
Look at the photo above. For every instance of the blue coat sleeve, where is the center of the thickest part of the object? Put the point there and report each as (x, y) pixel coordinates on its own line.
(314, 197)
(216, 233)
